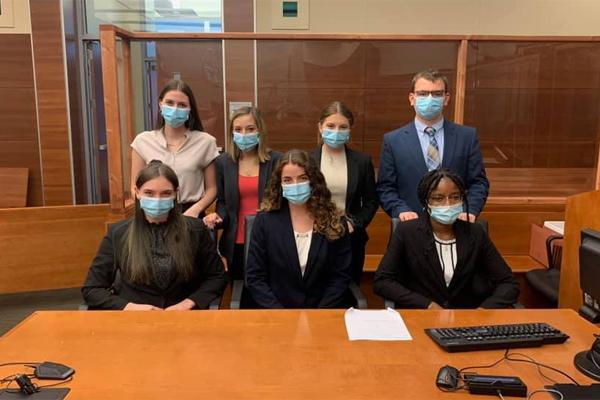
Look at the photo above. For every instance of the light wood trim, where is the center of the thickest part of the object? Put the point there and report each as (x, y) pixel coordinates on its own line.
(583, 211)
(341, 36)
(285, 354)
(461, 82)
(45, 248)
(112, 116)
(129, 111)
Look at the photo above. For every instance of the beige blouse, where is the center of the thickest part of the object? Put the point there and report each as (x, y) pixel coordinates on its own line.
(197, 152)
(335, 171)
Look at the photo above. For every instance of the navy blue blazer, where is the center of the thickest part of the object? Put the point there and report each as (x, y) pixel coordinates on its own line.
(402, 166)
(273, 274)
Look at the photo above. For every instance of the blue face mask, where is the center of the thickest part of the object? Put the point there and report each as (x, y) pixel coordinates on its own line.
(446, 215)
(429, 107)
(297, 193)
(245, 142)
(156, 207)
(174, 116)
(335, 139)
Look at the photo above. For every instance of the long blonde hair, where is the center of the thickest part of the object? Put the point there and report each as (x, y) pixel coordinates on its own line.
(328, 219)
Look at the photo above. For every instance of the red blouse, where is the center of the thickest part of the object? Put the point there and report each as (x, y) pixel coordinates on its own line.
(248, 189)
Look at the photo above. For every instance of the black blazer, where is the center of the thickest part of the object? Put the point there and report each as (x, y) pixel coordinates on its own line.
(361, 192)
(106, 288)
(410, 273)
(273, 274)
(228, 196)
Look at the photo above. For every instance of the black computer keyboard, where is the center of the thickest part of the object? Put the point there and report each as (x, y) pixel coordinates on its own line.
(488, 337)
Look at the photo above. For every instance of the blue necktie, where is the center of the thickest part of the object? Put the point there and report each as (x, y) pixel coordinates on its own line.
(433, 152)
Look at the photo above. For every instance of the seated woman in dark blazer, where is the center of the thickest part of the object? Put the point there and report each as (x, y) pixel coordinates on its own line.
(350, 177)
(299, 254)
(242, 175)
(157, 260)
(437, 261)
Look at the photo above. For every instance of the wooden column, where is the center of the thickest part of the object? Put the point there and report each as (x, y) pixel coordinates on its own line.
(461, 81)
(238, 54)
(113, 119)
(52, 104)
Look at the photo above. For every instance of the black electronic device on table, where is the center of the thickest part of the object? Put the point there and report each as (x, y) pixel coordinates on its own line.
(489, 337)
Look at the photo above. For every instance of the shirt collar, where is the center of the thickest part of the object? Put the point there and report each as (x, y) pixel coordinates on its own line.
(421, 126)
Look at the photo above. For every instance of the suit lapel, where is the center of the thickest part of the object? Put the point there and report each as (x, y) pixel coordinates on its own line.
(316, 243)
(289, 241)
(432, 259)
(464, 242)
(413, 146)
(449, 143)
(232, 175)
(353, 173)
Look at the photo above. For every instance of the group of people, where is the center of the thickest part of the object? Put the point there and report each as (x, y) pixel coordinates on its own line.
(308, 239)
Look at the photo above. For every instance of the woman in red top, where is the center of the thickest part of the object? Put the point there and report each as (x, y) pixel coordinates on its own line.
(242, 175)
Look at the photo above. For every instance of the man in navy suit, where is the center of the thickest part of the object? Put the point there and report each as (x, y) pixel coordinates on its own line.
(427, 143)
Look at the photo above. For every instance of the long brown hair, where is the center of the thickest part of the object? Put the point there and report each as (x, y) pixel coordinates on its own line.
(263, 143)
(137, 261)
(193, 123)
(327, 217)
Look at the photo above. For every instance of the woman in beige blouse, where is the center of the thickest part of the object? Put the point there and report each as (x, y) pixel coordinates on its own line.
(179, 142)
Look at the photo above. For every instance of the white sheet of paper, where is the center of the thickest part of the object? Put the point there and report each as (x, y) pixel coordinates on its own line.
(375, 325)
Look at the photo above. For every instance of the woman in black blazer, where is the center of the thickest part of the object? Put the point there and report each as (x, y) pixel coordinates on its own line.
(350, 177)
(242, 175)
(299, 254)
(159, 259)
(437, 261)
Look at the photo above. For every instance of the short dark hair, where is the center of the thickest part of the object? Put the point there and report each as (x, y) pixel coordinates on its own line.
(193, 123)
(431, 75)
(431, 181)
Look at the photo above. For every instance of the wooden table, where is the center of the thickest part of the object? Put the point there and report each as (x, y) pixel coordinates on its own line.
(268, 354)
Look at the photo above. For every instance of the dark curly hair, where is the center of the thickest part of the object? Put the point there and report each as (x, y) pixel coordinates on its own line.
(328, 219)
(431, 181)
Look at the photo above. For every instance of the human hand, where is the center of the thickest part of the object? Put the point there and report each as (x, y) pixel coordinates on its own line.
(192, 212)
(212, 220)
(350, 227)
(408, 215)
(434, 306)
(141, 307)
(183, 305)
(463, 217)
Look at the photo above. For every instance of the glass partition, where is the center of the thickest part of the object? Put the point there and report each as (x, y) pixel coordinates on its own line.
(297, 78)
(536, 106)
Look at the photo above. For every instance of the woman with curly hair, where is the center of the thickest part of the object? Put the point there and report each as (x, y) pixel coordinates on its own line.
(299, 253)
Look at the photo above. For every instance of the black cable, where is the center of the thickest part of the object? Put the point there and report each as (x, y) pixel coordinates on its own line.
(539, 368)
(69, 379)
(542, 365)
(27, 364)
(460, 371)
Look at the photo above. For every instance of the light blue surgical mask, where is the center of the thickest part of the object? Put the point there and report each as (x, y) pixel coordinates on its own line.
(335, 139)
(156, 207)
(446, 215)
(245, 142)
(429, 107)
(174, 116)
(297, 193)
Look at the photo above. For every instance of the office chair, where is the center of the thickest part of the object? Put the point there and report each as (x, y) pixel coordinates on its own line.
(546, 280)
(394, 225)
(358, 297)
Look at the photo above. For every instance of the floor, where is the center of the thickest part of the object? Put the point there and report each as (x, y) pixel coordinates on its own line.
(16, 307)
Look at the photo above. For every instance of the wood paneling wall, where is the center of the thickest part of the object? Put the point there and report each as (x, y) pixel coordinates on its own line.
(52, 103)
(19, 146)
(48, 247)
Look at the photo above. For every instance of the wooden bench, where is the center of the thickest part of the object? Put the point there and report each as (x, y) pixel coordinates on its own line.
(13, 182)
